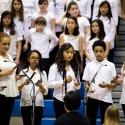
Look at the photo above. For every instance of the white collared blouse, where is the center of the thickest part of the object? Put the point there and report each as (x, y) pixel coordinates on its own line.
(27, 91)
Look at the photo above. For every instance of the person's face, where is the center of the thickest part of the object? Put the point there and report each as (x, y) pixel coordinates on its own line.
(74, 10)
(68, 54)
(99, 53)
(33, 59)
(6, 20)
(40, 27)
(43, 6)
(16, 5)
(71, 24)
(5, 44)
(95, 28)
(104, 10)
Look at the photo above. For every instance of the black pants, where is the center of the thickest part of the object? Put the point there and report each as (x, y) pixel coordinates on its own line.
(92, 109)
(27, 114)
(46, 64)
(59, 108)
(6, 107)
(111, 55)
(123, 108)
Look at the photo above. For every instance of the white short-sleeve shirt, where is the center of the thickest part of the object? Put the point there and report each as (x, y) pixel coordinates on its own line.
(55, 80)
(110, 29)
(14, 38)
(27, 91)
(8, 80)
(106, 73)
(114, 9)
(40, 41)
(91, 42)
(49, 16)
(22, 26)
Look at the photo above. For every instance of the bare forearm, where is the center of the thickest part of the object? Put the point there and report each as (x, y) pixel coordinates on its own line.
(111, 86)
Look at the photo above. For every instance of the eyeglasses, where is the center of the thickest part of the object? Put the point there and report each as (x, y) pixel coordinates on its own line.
(34, 58)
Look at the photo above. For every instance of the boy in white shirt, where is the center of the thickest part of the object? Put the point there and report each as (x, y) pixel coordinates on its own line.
(40, 40)
(99, 74)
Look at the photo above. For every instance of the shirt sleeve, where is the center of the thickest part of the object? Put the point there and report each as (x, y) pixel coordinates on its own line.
(95, 9)
(86, 74)
(113, 29)
(113, 72)
(88, 7)
(115, 11)
(52, 83)
(107, 39)
(86, 22)
(26, 27)
(18, 35)
(54, 41)
(44, 82)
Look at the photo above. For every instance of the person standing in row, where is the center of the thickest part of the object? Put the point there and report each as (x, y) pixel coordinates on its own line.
(40, 38)
(7, 80)
(97, 33)
(7, 25)
(55, 79)
(99, 78)
(34, 65)
(72, 36)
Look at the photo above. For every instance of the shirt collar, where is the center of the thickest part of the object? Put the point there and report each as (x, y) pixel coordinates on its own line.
(104, 62)
(104, 18)
(31, 71)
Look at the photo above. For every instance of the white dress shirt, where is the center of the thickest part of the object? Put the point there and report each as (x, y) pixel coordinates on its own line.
(106, 74)
(55, 80)
(8, 80)
(40, 41)
(110, 29)
(91, 42)
(14, 38)
(5, 5)
(84, 7)
(49, 17)
(114, 9)
(22, 26)
(27, 91)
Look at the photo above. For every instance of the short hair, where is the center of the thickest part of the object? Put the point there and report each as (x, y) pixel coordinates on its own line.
(41, 1)
(3, 35)
(99, 43)
(40, 20)
(72, 100)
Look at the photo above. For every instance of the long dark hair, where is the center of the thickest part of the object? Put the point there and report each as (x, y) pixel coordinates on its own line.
(40, 64)
(21, 11)
(59, 58)
(109, 14)
(76, 30)
(69, 7)
(101, 30)
(11, 26)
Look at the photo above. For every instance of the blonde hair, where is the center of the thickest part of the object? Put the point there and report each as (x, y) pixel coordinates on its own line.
(123, 67)
(2, 35)
(112, 116)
